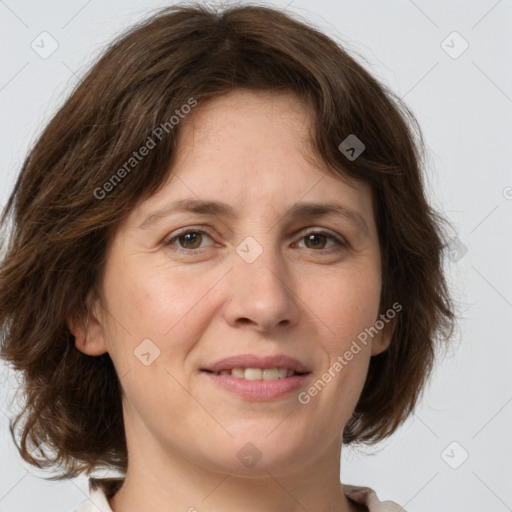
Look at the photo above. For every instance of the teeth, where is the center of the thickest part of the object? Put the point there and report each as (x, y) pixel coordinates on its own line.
(253, 374)
(270, 374)
(258, 373)
(238, 372)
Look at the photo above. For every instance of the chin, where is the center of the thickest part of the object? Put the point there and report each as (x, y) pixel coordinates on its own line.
(254, 454)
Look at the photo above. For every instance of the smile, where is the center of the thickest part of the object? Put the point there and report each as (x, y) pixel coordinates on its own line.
(257, 384)
(259, 373)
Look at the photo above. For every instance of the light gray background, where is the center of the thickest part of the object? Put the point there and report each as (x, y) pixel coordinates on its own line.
(464, 106)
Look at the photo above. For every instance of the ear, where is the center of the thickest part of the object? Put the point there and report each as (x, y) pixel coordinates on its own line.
(382, 339)
(87, 328)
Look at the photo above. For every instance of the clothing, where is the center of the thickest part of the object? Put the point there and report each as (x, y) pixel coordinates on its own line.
(368, 497)
(98, 500)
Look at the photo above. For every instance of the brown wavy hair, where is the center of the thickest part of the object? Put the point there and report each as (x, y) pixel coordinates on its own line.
(55, 252)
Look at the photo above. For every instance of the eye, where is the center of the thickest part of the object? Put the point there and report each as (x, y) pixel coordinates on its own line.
(189, 241)
(316, 241)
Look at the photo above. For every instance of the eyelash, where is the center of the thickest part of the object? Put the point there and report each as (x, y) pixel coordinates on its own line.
(168, 242)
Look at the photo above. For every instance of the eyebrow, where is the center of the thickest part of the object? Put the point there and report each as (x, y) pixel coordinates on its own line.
(217, 208)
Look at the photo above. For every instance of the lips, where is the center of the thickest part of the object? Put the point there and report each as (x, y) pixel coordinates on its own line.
(258, 390)
(254, 361)
(254, 388)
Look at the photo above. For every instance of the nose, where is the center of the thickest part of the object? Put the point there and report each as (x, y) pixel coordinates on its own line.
(260, 294)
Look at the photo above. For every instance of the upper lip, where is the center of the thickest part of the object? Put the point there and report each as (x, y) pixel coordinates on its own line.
(254, 361)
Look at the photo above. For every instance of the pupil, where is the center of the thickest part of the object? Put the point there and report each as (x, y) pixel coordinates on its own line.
(312, 237)
(190, 238)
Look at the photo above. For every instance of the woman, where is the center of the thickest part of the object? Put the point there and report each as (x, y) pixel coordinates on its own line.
(223, 268)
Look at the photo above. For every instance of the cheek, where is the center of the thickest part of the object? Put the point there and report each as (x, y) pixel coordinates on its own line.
(150, 301)
(346, 304)
(157, 316)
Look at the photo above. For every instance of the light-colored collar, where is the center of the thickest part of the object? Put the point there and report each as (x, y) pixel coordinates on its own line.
(364, 495)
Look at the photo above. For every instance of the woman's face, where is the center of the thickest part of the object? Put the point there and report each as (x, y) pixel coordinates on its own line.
(185, 290)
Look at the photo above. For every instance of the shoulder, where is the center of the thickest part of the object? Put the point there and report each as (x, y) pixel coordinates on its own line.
(368, 497)
(100, 491)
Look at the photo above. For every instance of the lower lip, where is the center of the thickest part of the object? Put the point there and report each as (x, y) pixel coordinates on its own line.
(260, 390)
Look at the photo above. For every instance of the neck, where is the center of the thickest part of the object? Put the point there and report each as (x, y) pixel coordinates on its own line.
(173, 483)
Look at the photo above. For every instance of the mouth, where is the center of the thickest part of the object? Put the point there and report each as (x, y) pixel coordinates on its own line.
(258, 378)
(267, 374)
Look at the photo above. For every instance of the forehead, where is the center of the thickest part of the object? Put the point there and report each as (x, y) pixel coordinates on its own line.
(249, 124)
(260, 106)
(252, 150)
(256, 133)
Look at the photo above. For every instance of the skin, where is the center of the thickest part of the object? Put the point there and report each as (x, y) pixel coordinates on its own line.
(183, 432)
